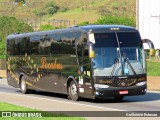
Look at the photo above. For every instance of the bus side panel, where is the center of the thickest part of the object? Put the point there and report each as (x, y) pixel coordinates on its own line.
(70, 69)
(46, 72)
(11, 81)
(13, 71)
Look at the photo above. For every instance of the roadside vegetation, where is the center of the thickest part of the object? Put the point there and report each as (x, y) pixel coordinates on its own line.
(153, 68)
(10, 107)
(78, 10)
(10, 25)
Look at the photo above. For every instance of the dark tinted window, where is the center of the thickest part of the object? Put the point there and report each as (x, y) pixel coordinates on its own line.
(14, 46)
(55, 37)
(56, 44)
(68, 40)
(56, 47)
(69, 47)
(9, 49)
(126, 39)
(34, 45)
(25, 46)
(105, 40)
(45, 45)
(129, 39)
(86, 61)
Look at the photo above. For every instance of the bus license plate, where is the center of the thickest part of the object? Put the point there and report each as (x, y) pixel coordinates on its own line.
(123, 92)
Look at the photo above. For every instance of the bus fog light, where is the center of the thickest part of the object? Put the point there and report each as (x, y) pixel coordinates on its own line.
(101, 86)
(141, 83)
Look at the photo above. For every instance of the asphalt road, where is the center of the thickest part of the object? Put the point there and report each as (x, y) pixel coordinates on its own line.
(57, 102)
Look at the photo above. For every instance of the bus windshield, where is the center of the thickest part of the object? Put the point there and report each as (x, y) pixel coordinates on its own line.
(117, 53)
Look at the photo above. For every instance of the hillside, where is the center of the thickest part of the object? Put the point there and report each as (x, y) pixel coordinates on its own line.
(78, 10)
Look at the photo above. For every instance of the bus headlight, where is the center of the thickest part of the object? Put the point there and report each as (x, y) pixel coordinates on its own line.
(101, 86)
(141, 83)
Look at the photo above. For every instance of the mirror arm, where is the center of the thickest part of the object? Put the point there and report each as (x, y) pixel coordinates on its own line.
(149, 42)
(151, 46)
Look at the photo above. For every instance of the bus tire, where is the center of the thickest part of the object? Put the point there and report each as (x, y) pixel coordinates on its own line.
(73, 91)
(119, 98)
(23, 86)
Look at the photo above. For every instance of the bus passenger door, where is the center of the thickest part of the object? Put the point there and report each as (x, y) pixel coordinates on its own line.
(85, 87)
(87, 74)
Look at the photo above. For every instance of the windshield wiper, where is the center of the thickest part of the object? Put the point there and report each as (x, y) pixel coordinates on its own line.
(126, 60)
(114, 67)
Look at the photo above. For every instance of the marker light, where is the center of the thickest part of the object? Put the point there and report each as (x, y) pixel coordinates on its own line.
(114, 28)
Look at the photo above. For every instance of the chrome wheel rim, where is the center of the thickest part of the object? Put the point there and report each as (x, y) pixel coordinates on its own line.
(23, 85)
(73, 89)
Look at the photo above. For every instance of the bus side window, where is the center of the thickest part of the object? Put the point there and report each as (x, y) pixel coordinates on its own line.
(9, 47)
(34, 45)
(79, 54)
(25, 46)
(45, 45)
(56, 44)
(86, 62)
(13, 47)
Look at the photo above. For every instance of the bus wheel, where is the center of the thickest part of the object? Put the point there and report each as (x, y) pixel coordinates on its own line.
(119, 98)
(23, 86)
(72, 91)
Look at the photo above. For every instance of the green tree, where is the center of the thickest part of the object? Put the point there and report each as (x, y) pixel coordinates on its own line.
(10, 25)
(83, 23)
(118, 20)
(2, 49)
(52, 8)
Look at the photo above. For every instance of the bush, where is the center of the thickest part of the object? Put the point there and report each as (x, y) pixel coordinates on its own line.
(2, 49)
(46, 27)
(40, 12)
(122, 20)
(52, 8)
(50, 27)
(83, 23)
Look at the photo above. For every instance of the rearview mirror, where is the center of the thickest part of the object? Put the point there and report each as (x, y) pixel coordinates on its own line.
(91, 51)
(91, 37)
(152, 52)
(91, 54)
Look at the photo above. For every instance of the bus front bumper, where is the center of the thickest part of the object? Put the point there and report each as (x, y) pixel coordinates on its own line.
(120, 91)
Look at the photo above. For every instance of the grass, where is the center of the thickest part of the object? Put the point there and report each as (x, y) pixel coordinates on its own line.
(153, 68)
(78, 10)
(11, 107)
(77, 16)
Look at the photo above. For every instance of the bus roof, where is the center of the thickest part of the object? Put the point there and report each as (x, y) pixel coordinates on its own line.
(94, 28)
(108, 28)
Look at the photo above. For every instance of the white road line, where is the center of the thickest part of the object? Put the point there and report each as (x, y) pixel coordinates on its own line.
(153, 91)
(112, 109)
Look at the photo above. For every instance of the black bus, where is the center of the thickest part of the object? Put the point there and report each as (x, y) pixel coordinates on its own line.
(93, 61)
